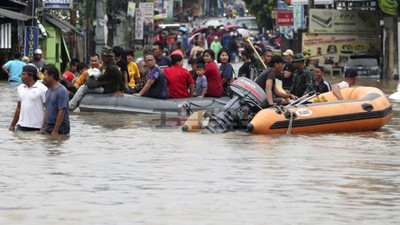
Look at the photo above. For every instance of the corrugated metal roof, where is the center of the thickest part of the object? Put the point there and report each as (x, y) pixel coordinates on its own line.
(14, 15)
(61, 24)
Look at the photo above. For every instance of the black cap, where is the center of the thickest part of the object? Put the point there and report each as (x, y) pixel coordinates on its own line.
(30, 69)
(275, 59)
(350, 73)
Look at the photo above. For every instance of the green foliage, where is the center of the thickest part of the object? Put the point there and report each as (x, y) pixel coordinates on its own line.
(262, 10)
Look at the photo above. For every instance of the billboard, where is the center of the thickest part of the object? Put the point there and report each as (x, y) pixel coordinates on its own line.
(332, 52)
(148, 10)
(325, 21)
(58, 4)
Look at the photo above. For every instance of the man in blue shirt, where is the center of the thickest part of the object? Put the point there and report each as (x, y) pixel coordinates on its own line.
(158, 52)
(14, 68)
(57, 113)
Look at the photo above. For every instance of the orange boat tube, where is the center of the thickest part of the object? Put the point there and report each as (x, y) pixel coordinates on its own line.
(363, 108)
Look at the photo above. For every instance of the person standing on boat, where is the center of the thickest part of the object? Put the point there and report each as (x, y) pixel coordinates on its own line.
(156, 85)
(110, 80)
(212, 74)
(288, 71)
(320, 85)
(350, 79)
(226, 69)
(158, 52)
(31, 100)
(303, 80)
(266, 81)
(56, 118)
(179, 79)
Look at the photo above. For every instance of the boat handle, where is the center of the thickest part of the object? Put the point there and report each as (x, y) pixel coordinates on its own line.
(367, 107)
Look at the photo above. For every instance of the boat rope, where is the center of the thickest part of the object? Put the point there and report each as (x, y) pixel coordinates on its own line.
(290, 122)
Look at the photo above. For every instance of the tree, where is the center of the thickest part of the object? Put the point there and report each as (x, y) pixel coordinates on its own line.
(262, 10)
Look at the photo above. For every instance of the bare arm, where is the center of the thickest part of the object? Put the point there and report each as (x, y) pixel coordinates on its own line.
(60, 118)
(191, 90)
(268, 91)
(16, 116)
(146, 87)
(336, 91)
(44, 120)
(6, 70)
(203, 92)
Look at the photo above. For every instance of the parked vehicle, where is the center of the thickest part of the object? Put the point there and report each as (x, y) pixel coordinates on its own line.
(248, 23)
(366, 64)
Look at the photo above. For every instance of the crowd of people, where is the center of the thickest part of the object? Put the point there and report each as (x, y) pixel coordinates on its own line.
(46, 97)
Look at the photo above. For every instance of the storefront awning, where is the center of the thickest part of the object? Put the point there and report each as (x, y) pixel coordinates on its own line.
(14, 15)
(61, 24)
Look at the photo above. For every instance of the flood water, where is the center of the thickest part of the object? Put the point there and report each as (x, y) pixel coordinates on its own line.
(124, 169)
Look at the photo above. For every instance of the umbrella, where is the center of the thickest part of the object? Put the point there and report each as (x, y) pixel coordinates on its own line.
(213, 23)
(158, 17)
(200, 29)
(193, 36)
(244, 32)
(231, 27)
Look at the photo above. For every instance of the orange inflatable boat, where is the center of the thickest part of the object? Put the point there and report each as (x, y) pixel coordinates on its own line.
(363, 108)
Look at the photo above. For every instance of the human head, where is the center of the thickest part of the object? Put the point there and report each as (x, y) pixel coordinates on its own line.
(157, 49)
(350, 75)
(216, 38)
(17, 55)
(81, 67)
(223, 56)
(74, 65)
(25, 59)
(200, 69)
(150, 60)
(208, 55)
(106, 54)
(50, 74)
(288, 55)
(276, 63)
(318, 72)
(176, 59)
(244, 55)
(298, 61)
(130, 54)
(94, 61)
(118, 51)
(267, 56)
(29, 74)
(38, 54)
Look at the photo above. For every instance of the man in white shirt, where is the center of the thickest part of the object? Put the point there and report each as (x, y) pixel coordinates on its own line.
(30, 109)
(350, 78)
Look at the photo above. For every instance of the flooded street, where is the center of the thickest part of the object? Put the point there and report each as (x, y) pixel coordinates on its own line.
(124, 169)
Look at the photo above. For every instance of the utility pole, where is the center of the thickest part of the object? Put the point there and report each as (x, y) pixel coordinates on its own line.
(72, 43)
(88, 35)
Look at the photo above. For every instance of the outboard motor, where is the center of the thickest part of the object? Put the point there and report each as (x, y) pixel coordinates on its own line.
(248, 98)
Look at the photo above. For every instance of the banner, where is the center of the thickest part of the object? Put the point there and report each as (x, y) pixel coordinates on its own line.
(324, 21)
(284, 18)
(332, 52)
(58, 4)
(299, 2)
(323, 2)
(131, 9)
(139, 21)
(31, 41)
(298, 16)
(148, 11)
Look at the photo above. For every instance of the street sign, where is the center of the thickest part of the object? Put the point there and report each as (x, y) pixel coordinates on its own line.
(58, 4)
(284, 18)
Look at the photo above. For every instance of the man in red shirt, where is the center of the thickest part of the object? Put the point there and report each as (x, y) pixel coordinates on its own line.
(179, 79)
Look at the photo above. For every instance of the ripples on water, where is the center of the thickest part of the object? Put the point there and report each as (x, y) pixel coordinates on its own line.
(122, 169)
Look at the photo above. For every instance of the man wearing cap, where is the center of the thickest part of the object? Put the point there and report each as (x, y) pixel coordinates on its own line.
(13, 68)
(350, 78)
(303, 80)
(30, 109)
(288, 70)
(110, 80)
(38, 60)
(266, 81)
